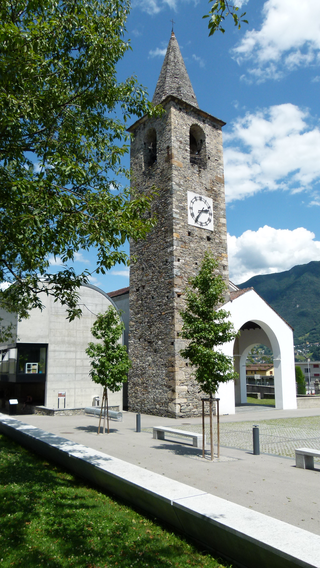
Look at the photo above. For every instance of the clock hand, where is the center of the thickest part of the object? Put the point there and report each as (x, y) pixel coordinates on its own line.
(199, 213)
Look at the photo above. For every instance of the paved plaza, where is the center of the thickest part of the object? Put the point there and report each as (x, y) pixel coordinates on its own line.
(269, 483)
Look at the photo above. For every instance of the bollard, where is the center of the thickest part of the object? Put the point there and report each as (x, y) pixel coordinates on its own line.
(256, 442)
(138, 422)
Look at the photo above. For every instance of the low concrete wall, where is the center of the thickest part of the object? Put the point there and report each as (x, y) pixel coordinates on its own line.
(305, 401)
(242, 536)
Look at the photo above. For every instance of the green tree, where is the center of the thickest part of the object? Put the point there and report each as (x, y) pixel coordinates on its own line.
(110, 362)
(300, 380)
(63, 117)
(206, 326)
(219, 11)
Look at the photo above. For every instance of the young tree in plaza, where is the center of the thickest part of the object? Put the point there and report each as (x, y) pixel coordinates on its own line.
(301, 381)
(110, 362)
(63, 116)
(207, 327)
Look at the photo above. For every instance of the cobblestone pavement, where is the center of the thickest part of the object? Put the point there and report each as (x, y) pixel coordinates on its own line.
(277, 437)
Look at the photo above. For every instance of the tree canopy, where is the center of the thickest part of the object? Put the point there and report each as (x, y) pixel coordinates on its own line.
(207, 327)
(109, 359)
(219, 11)
(301, 381)
(63, 117)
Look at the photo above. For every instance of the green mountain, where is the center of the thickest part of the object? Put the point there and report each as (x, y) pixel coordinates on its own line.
(295, 295)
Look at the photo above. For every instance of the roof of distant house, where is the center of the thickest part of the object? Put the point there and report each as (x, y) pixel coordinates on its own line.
(259, 366)
(119, 292)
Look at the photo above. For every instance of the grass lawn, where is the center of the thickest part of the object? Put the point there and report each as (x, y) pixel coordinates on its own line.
(264, 401)
(52, 519)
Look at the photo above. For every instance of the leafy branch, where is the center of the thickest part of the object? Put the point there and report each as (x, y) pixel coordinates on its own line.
(218, 13)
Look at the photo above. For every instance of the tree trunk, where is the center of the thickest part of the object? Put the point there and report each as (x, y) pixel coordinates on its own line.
(107, 410)
(218, 426)
(211, 429)
(203, 430)
(105, 407)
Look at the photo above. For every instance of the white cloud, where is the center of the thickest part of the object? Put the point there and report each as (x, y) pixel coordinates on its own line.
(199, 60)
(149, 6)
(159, 52)
(55, 261)
(153, 7)
(289, 37)
(125, 272)
(94, 281)
(37, 167)
(274, 148)
(137, 32)
(270, 250)
(240, 3)
(78, 257)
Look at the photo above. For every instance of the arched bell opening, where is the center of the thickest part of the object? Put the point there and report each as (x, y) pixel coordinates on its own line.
(150, 148)
(198, 155)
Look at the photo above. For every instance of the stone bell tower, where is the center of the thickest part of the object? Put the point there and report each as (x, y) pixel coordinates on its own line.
(181, 154)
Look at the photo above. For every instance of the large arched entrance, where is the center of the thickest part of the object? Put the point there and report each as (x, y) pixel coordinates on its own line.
(258, 323)
(251, 334)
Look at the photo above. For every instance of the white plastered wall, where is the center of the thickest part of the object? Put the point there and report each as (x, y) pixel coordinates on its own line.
(276, 334)
(67, 363)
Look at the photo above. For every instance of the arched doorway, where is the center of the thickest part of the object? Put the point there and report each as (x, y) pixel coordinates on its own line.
(253, 333)
(257, 322)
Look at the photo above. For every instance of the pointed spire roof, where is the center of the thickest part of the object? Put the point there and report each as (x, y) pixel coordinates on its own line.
(174, 79)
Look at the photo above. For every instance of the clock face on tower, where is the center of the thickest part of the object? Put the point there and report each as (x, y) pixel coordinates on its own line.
(200, 212)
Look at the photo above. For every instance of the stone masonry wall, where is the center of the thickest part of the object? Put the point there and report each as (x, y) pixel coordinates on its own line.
(160, 381)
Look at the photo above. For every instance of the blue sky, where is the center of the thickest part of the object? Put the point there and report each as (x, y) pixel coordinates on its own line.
(264, 82)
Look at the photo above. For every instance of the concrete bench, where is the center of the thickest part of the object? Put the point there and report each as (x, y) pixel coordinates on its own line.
(113, 414)
(160, 431)
(305, 457)
(256, 395)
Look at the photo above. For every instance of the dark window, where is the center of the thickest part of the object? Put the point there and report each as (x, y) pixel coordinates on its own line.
(197, 146)
(32, 359)
(150, 148)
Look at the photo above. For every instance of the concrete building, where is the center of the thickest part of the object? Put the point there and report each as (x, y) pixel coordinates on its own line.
(311, 371)
(121, 300)
(46, 363)
(260, 370)
(260, 380)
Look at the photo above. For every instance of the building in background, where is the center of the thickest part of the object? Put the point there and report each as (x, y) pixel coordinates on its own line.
(311, 371)
(46, 363)
(260, 380)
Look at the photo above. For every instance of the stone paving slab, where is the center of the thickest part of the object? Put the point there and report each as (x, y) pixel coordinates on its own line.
(268, 484)
(278, 437)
